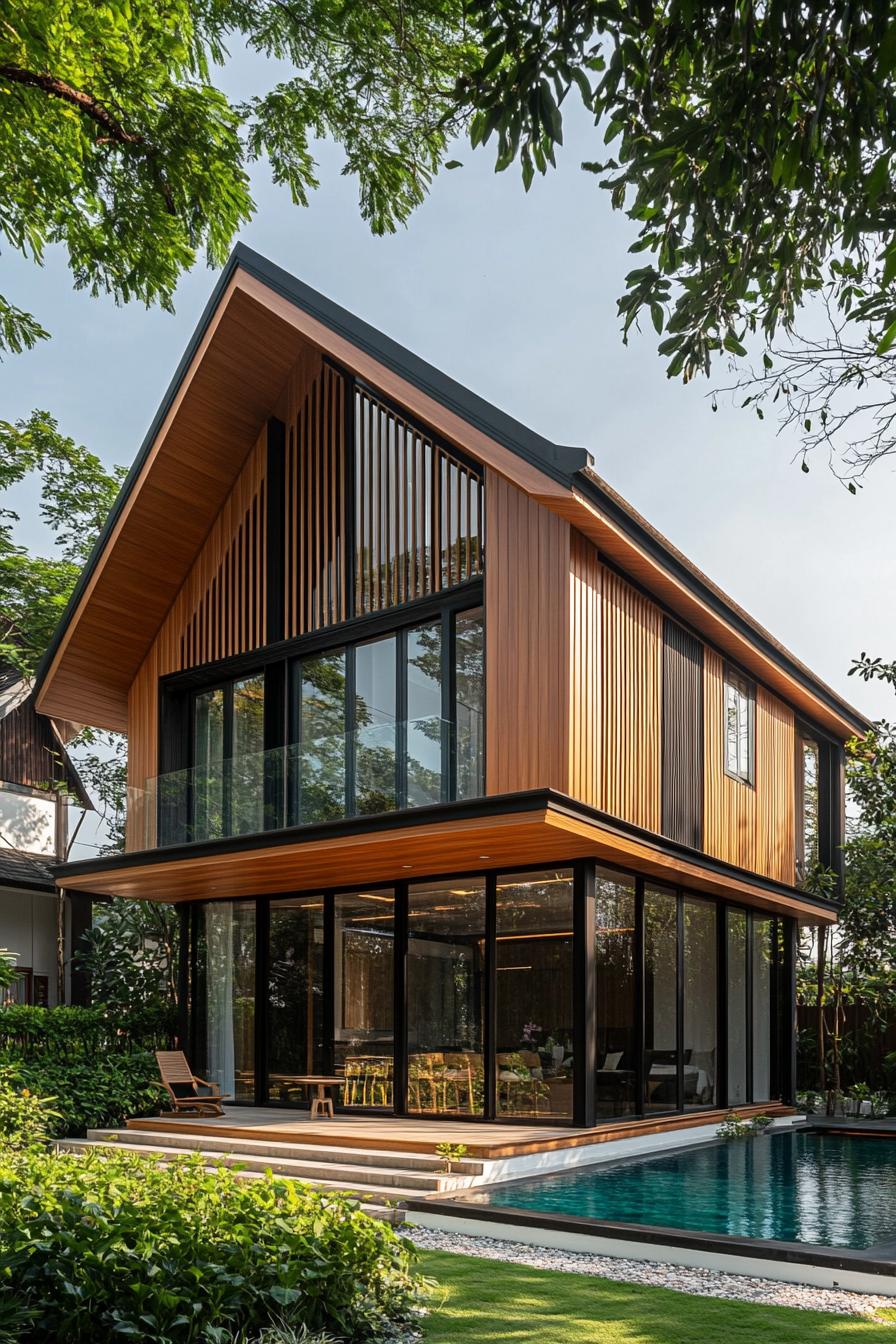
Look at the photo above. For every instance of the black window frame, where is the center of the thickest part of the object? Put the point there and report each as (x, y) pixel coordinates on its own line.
(735, 679)
(178, 692)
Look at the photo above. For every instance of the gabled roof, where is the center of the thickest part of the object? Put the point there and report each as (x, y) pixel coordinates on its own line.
(251, 333)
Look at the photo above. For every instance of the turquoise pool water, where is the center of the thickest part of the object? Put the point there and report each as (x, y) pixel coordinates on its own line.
(824, 1189)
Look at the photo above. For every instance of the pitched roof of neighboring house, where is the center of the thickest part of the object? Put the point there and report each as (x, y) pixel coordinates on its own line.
(256, 324)
(21, 870)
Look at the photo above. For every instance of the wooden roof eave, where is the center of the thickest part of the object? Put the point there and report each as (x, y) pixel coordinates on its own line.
(508, 831)
(254, 301)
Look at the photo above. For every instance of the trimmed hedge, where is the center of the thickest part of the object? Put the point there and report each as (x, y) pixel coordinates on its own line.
(104, 1246)
(98, 1066)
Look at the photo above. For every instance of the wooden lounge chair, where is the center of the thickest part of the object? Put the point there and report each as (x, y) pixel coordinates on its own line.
(188, 1094)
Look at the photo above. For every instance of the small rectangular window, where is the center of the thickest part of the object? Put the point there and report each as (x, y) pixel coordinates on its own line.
(807, 811)
(740, 713)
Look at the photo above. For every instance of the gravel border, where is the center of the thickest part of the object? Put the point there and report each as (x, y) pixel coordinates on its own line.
(702, 1282)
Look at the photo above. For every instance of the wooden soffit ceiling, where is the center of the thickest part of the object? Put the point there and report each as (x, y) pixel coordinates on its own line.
(546, 834)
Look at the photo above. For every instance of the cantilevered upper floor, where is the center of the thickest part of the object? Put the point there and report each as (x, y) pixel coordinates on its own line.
(340, 594)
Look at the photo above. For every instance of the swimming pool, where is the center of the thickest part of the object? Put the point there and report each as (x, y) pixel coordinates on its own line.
(814, 1188)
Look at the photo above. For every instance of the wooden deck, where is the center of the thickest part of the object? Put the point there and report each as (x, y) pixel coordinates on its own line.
(409, 1135)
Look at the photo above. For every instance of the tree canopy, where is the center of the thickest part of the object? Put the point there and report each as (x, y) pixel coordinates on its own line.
(752, 145)
(117, 143)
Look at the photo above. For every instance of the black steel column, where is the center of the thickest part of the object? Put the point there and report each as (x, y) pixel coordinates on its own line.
(490, 1072)
(789, 1014)
(640, 1005)
(262, 994)
(184, 938)
(679, 1001)
(399, 1021)
(721, 1098)
(584, 994)
(749, 989)
(328, 978)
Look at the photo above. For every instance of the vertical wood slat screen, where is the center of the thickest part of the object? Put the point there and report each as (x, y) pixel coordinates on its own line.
(219, 611)
(682, 814)
(418, 510)
(316, 561)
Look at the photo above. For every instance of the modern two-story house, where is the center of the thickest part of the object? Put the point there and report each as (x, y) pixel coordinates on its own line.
(468, 785)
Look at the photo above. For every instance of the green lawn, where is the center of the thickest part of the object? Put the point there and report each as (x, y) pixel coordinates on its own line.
(485, 1300)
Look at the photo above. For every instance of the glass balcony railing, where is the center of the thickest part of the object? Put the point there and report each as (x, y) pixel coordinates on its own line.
(381, 767)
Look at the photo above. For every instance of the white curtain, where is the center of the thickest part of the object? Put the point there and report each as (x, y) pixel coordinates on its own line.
(219, 991)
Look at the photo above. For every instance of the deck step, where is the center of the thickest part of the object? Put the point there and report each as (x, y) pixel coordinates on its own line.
(313, 1154)
(368, 1184)
(380, 1200)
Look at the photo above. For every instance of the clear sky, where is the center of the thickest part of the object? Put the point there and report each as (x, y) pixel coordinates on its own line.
(514, 296)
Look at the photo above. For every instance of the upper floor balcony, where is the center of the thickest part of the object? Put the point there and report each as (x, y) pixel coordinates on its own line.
(377, 768)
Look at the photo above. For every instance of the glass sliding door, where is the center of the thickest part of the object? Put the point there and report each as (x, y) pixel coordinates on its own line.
(224, 1039)
(445, 988)
(761, 958)
(469, 681)
(375, 727)
(534, 995)
(700, 1003)
(364, 996)
(661, 1044)
(295, 1022)
(425, 756)
(737, 1006)
(616, 1028)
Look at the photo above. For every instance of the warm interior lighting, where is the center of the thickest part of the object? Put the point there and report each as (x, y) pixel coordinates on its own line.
(514, 968)
(523, 937)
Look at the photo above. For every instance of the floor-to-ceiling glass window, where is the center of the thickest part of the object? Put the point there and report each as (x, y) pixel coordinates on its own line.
(247, 769)
(375, 726)
(425, 726)
(761, 935)
(225, 1016)
(319, 778)
(207, 772)
(295, 1022)
(616, 1028)
(737, 1000)
(446, 996)
(364, 996)
(469, 682)
(661, 1043)
(534, 995)
(700, 1024)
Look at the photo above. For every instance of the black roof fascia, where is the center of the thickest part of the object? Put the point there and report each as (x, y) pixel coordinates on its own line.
(558, 462)
(468, 809)
(566, 465)
(650, 543)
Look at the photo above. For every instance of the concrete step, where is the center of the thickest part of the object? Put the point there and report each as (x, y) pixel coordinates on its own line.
(313, 1153)
(373, 1185)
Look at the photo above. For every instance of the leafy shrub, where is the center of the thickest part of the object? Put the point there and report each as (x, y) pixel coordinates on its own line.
(92, 1093)
(108, 1245)
(96, 1063)
(734, 1126)
(25, 1118)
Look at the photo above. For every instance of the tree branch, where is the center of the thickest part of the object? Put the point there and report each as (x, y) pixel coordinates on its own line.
(84, 102)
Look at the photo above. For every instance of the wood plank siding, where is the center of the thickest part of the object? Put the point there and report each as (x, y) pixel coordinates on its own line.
(219, 611)
(526, 640)
(751, 826)
(616, 726)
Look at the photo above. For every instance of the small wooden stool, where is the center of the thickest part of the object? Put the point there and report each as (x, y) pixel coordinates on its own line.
(321, 1103)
